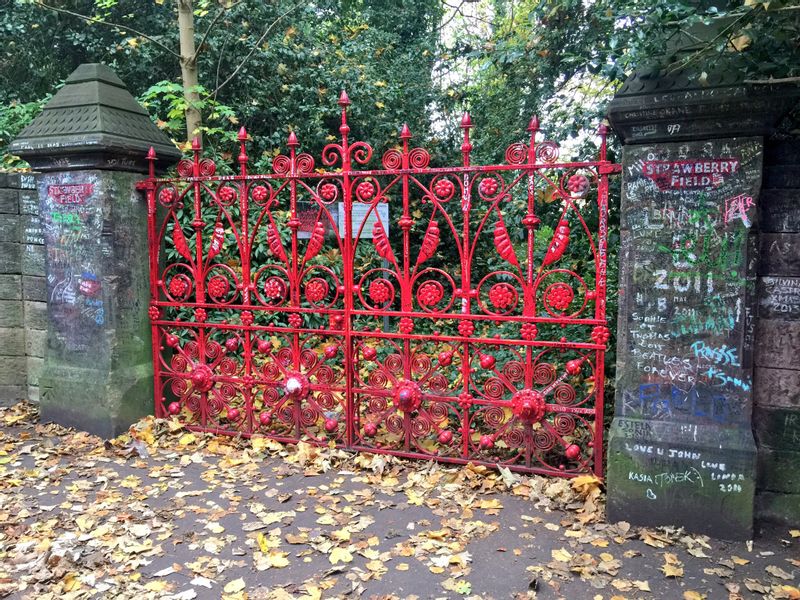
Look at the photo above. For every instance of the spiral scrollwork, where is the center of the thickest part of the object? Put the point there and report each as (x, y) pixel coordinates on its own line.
(392, 160)
(547, 152)
(517, 154)
(304, 164)
(564, 424)
(281, 164)
(419, 158)
(494, 416)
(494, 388)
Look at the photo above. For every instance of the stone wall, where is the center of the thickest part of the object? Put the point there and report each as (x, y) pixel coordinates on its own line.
(776, 418)
(23, 310)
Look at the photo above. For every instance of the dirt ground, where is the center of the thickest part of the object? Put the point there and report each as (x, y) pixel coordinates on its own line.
(166, 513)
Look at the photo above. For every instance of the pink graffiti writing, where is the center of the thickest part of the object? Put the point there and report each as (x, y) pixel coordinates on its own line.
(736, 208)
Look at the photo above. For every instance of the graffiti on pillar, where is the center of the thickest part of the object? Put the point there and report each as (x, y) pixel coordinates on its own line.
(72, 224)
(688, 213)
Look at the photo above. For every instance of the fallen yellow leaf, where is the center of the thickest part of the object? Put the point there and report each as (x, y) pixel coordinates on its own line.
(237, 585)
(561, 555)
(338, 555)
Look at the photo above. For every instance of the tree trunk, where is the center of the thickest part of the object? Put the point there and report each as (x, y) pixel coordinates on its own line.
(189, 69)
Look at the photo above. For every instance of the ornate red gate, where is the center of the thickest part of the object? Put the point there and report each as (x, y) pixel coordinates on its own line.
(450, 313)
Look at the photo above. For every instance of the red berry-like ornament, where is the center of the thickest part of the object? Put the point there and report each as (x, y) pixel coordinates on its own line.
(231, 344)
(445, 436)
(174, 408)
(578, 185)
(489, 186)
(443, 188)
(264, 346)
(260, 193)
(445, 358)
(177, 287)
(487, 442)
(487, 361)
(573, 367)
(365, 190)
(379, 291)
(172, 340)
(331, 350)
(166, 195)
(529, 331)
(227, 194)
(264, 418)
(370, 429)
(369, 353)
(233, 414)
(328, 191)
(600, 335)
(466, 328)
(331, 425)
(572, 452)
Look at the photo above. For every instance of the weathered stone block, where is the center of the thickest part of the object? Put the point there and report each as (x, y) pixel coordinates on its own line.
(33, 259)
(779, 470)
(13, 370)
(12, 341)
(10, 254)
(35, 342)
(33, 393)
(30, 230)
(776, 388)
(779, 254)
(700, 476)
(782, 152)
(29, 202)
(11, 313)
(11, 394)
(9, 228)
(34, 288)
(779, 297)
(777, 342)
(783, 176)
(777, 428)
(35, 366)
(780, 211)
(104, 404)
(10, 287)
(35, 314)
(9, 201)
(779, 508)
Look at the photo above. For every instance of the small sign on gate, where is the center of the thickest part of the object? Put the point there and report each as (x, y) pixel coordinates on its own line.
(360, 214)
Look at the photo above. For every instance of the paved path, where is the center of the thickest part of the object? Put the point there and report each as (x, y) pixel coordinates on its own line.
(181, 515)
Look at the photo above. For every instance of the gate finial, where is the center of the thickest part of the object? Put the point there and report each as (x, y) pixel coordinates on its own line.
(151, 161)
(242, 151)
(344, 129)
(466, 145)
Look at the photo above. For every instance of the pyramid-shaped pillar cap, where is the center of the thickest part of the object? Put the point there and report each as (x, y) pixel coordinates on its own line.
(93, 122)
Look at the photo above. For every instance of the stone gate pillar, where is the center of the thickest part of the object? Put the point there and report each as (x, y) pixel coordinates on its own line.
(89, 146)
(681, 447)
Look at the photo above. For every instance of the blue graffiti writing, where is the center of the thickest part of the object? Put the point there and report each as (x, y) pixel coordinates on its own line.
(722, 355)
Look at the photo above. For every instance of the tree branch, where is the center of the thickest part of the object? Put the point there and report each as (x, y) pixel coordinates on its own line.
(771, 81)
(222, 11)
(255, 47)
(108, 24)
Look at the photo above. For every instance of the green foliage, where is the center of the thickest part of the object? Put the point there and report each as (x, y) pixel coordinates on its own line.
(166, 103)
(14, 116)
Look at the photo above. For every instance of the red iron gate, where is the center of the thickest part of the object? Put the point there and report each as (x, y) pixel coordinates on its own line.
(450, 313)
